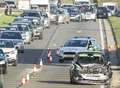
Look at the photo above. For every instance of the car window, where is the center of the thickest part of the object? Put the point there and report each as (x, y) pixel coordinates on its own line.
(1, 54)
(76, 43)
(6, 44)
(11, 35)
(31, 14)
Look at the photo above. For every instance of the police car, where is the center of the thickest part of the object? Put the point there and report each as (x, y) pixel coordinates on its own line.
(76, 45)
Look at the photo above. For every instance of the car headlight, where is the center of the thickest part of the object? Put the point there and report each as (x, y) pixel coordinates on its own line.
(35, 20)
(2, 62)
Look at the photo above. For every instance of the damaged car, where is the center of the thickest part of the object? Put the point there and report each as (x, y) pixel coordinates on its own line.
(90, 68)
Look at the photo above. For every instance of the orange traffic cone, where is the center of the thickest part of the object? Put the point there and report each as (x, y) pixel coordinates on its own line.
(23, 81)
(34, 68)
(49, 56)
(41, 63)
(27, 78)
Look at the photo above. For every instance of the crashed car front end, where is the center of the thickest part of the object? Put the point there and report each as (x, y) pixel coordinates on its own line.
(90, 73)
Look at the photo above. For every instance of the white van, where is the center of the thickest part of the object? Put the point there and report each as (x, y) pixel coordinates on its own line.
(111, 7)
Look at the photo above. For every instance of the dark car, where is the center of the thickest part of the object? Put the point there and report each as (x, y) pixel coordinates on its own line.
(102, 13)
(3, 62)
(117, 13)
(90, 68)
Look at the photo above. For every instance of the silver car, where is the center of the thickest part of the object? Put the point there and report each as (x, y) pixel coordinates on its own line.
(26, 32)
(14, 36)
(75, 45)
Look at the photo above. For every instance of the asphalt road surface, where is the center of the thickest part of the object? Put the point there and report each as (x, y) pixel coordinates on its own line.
(53, 75)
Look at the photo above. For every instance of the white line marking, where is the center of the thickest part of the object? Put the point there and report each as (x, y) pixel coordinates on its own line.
(101, 34)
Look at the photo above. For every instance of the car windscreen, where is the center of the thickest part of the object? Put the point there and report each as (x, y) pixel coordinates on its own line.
(31, 14)
(76, 43)
(101, 10)
(73, 11)
(11, 35)
(110, 7)
(6, 44)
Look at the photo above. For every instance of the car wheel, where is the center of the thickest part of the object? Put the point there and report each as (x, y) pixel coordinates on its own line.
(67, 22)
(61, 60)
(22, 51)
(5, 70)
(41, 35)
(72, 80)
(15, 63)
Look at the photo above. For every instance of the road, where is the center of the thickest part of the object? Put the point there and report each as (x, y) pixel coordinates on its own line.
(53, 75)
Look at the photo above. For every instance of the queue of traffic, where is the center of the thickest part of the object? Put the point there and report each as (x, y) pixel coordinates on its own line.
(89, 62)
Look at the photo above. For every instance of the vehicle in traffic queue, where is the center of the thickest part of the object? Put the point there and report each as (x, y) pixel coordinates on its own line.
(33, 13)
(46, 20)
(36, 25)
(10, 51)
(89, 14)
(63, 16)
(75, 45)
(14, 36)
(25, 31)
(102, 13)
(53, 14)
(75, 14)
(90, 68)
(3, 62)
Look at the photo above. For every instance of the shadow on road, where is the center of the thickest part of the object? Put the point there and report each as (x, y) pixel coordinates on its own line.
(55, 82)
(33, 56)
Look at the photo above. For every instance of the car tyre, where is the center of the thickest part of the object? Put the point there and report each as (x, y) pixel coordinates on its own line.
(61, 60)
(15, 63)
(72, 80)
(41, 35)
(4, 71)
(22, 51)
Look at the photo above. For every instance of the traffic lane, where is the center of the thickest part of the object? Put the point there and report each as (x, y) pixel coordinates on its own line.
(26, 60)
(33, 52)
(57, 76)
(13, 76)
(66, 32)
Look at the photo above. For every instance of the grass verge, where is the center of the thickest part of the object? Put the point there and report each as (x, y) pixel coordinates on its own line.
(5, 19)
(115, 21)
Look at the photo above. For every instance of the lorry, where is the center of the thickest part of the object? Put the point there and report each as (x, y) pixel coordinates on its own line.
(23, 4)
(111, 7)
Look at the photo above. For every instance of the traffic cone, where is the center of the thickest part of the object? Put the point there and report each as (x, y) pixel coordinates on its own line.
(41, 63)
(27, 78)
(109, 49)
(34, 68)
(23, 81)
(49, 56)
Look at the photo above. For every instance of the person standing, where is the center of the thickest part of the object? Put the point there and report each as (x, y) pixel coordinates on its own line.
(10, 10)
(6, 9)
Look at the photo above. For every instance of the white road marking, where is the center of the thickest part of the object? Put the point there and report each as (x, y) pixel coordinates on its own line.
(78, 31)
(101, 34)
(102, 86)
(54, 44)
